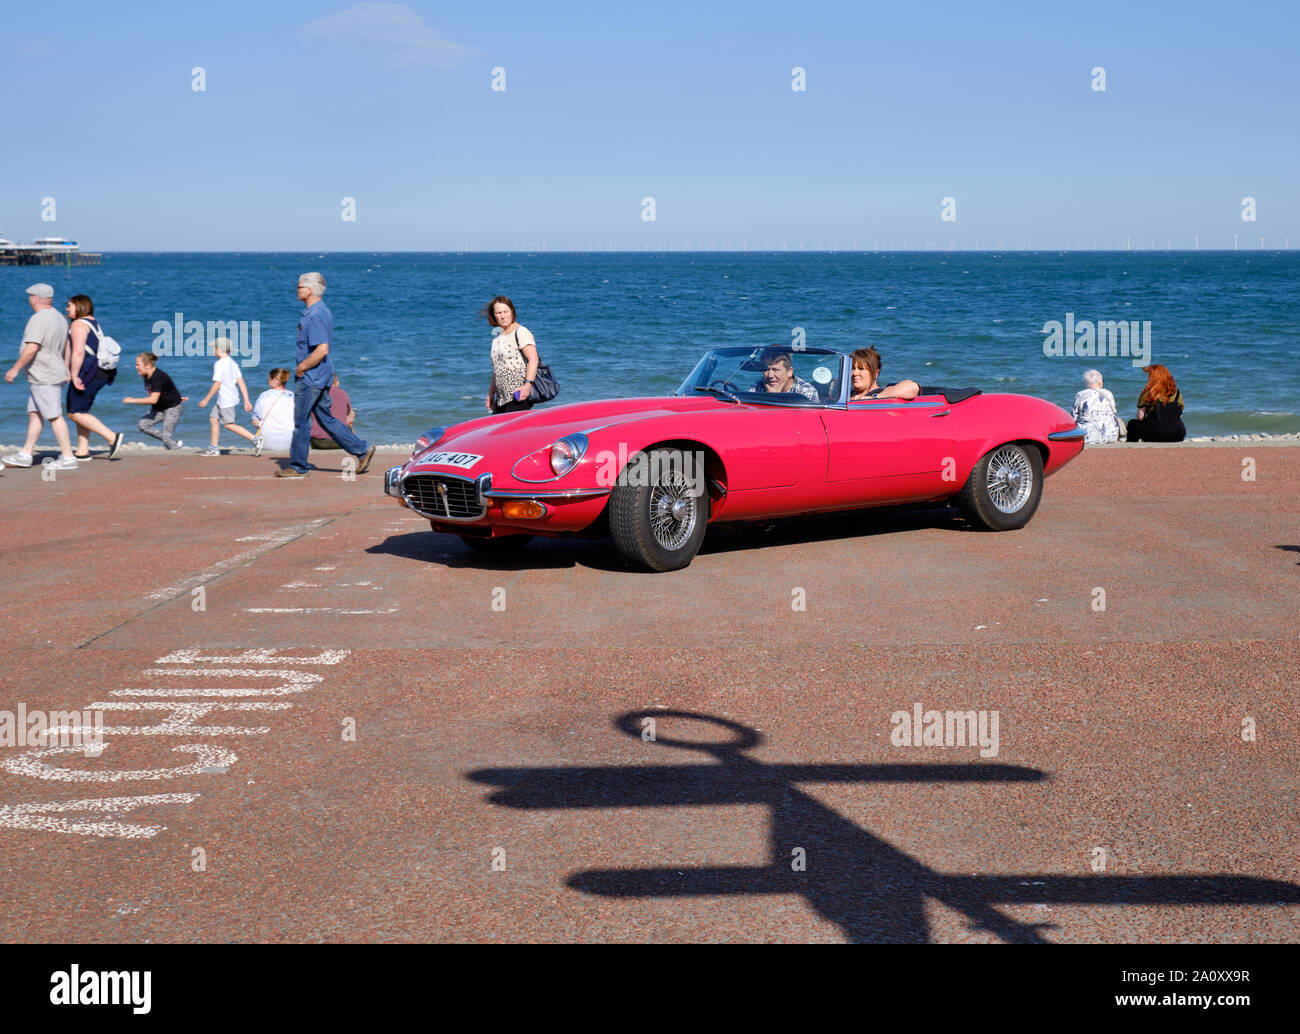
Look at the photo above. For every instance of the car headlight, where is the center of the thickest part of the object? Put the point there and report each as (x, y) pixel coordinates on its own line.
(430, 437)
(566, 453)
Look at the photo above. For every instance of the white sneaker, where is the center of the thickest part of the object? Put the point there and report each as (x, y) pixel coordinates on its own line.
(257, 445)
(178, 444)
(211, 450)
(17, 459)
(63, 463)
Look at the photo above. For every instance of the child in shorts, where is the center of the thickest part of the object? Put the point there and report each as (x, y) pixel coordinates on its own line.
(228, 385)
(164, 400)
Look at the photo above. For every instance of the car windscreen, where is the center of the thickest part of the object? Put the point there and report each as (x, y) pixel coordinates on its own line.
(775, 374)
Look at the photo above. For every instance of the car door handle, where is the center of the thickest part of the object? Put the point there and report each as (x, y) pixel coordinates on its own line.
(944, 413)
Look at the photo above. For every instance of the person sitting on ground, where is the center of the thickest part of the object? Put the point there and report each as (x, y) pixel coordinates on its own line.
(779, 376)
(340, 404)
(1094, 411)
(273, 412)
(866, 379)
(164, 400)
(228, 385)
(1160, 409)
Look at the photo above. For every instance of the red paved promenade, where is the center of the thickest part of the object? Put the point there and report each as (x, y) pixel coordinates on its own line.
(489, 791)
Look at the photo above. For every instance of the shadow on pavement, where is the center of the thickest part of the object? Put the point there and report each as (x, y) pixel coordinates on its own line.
(600, 555)
(871, 890)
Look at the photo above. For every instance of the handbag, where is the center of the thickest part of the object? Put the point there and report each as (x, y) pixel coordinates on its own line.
(545, 386)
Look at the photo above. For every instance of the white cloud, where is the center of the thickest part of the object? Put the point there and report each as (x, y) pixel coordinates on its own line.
(395, 33)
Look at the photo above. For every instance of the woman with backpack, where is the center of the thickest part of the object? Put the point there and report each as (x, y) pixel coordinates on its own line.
(92, 363)
(1160, 409)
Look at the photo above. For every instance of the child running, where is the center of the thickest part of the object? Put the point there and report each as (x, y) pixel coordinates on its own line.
(228, 385)
(273, 413)
(164, 400)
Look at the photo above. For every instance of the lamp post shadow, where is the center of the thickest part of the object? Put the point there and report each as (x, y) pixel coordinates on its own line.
(871, 890)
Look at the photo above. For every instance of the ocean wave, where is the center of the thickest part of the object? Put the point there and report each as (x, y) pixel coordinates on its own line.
(1242, 421)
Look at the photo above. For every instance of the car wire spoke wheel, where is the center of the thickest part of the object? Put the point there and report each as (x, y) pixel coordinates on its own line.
(1004, 488)
(1010, 479)
(672, 510)
(658, 522)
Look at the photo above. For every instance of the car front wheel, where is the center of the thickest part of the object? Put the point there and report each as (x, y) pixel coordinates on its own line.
(658, 511)
(1003, 490)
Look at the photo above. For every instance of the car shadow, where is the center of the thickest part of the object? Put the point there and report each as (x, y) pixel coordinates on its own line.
(1291, 549)
(871, 890)
(600, 555)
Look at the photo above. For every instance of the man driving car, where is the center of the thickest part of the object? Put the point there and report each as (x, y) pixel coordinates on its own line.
(779, 376)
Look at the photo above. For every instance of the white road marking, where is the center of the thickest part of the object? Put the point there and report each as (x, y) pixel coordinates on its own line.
(313, 610)
(207, 759)
(41, 816)
(249, 657)
(221, 566)
(292, 682)
(178, 720)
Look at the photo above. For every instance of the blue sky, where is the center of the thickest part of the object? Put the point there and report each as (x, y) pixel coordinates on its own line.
(691, 104)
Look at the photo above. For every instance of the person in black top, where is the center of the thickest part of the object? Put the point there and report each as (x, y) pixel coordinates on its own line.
(164, 400)
(1160, 409)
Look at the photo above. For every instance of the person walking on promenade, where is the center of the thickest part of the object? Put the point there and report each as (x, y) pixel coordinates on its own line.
(228, 385)
(514, 359)
(314, 373)
(88, 376)
(44, 356)
(1160, 409)
(164, 400)
(1094, 411)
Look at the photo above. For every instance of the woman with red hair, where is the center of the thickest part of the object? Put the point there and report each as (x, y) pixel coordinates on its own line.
(1160, 409)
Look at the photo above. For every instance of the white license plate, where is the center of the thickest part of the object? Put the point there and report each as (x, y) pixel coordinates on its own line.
(463, 460)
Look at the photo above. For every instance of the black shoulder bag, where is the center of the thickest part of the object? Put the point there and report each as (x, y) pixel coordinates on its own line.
(545, 386)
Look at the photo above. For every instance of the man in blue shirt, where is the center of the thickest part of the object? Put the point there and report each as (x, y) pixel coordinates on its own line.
(314, 375)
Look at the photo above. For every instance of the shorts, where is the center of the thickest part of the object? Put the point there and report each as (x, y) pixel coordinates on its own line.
(223, 414)
(46, 399)
(81, 401)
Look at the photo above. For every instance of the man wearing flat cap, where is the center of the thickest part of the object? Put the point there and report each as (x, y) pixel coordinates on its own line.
(44, 356)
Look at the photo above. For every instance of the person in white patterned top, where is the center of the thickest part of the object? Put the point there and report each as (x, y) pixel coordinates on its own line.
(1094, 411)
(514, 359)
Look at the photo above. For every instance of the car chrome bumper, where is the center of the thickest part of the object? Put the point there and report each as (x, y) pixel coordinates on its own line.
(393, 482)
(1075, 434)
(396, 484)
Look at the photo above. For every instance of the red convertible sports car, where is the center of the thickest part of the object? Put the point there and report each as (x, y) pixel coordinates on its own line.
(652, 473)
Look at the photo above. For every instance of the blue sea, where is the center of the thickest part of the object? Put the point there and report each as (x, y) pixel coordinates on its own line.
(412, 350)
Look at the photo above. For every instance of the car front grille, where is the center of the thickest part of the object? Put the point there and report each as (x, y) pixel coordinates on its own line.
(445, 498)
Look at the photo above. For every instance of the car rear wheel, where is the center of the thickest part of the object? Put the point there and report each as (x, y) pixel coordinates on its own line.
(660, 524)
(498, 543)
(1003, 490)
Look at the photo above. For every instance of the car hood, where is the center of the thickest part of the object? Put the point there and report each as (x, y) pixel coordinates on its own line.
(515, 434)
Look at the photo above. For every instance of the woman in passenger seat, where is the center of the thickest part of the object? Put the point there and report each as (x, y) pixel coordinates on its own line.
(865, 376)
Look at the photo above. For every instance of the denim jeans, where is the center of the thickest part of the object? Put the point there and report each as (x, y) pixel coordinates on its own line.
(307, 399)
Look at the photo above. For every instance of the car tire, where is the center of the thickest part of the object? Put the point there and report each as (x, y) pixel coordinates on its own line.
(498, 543)
(1003, 490)
(660, 525)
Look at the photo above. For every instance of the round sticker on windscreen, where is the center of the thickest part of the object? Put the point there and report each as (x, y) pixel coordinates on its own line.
(822, 375)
